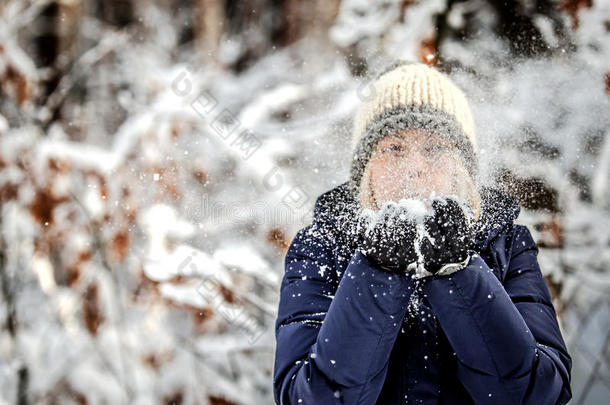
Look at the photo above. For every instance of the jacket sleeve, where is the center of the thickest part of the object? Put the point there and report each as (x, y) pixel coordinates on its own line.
(334, 349)
(505, 336)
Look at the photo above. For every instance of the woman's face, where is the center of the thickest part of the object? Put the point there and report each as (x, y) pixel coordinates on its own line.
(416, 164)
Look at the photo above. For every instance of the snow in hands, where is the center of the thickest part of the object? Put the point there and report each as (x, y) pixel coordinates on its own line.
(394, 235)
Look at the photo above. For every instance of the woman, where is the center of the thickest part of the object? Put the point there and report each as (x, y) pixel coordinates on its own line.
(436, 296)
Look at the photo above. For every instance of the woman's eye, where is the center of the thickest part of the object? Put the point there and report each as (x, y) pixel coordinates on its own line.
(434, 149)
(393, 149)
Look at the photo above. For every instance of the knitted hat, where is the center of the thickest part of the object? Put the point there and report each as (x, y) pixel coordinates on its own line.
(409, 95)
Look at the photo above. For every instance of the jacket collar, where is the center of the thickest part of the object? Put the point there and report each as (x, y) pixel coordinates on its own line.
(499, 211)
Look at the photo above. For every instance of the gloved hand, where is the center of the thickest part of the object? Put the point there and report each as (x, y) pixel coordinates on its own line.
(388, 241)
(452, 231)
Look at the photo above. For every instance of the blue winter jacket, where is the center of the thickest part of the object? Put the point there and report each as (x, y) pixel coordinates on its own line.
(350, 333)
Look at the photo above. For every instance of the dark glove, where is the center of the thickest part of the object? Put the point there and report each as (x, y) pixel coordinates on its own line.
(452, 232)
(388, 241)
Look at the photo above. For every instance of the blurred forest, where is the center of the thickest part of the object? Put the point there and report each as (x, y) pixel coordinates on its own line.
(157, 157)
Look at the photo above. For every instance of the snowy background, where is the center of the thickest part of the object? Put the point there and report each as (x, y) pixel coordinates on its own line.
(157, 157)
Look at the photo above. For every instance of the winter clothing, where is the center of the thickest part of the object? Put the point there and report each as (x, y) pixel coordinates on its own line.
(350, 333)
(450, 229)
(389, 244)
(411, 96)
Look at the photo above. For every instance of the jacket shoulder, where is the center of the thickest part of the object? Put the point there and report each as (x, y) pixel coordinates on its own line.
(521, 239)
(524, 275)
(310, 253)
(507, 244)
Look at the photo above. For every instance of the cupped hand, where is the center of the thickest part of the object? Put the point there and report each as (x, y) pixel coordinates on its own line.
(450, 234)
(388, 241)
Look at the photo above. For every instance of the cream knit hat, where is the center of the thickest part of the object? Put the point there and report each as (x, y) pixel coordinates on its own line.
(408, 95)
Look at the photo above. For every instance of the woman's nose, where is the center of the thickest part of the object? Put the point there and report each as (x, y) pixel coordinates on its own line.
(416, 163)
